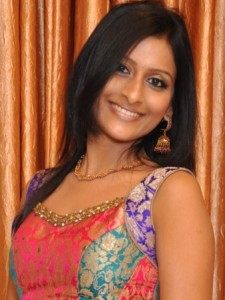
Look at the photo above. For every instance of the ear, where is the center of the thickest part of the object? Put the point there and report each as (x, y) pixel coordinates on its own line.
(169, 113)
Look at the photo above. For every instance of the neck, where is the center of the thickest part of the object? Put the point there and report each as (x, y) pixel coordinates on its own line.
(103, 154)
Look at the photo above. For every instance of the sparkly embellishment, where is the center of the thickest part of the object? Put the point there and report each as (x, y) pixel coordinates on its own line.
(63, 220)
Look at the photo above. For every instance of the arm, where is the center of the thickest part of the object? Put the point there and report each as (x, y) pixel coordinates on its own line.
(184, 240)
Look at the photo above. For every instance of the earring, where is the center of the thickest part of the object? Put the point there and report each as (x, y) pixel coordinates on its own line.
(163, 144)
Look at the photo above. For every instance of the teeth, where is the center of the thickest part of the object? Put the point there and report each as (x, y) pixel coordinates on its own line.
(125, 112)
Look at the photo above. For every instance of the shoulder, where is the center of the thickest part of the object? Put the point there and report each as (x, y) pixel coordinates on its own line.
(176, 181)
(179, 186)
(182, 223)
(178, 205)
(170, 175)
(178, 194)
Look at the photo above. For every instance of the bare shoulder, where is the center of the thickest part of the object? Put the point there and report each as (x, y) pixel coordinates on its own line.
(184, 239)
(179, 203)
(180, 188)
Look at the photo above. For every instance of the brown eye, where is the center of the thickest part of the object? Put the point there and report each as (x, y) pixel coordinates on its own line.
(158, 83)
(122, 69)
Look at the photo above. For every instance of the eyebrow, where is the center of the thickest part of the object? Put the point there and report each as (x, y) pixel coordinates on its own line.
(152, 69)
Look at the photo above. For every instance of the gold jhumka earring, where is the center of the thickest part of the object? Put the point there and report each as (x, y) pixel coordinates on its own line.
(163, 144)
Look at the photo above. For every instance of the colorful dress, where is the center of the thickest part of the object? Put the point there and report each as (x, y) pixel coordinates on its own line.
(105, 252)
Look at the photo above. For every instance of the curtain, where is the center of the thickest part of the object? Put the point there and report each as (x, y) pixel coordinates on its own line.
(38, 42)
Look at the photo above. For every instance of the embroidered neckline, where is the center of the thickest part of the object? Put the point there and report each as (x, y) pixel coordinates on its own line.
(61, 220)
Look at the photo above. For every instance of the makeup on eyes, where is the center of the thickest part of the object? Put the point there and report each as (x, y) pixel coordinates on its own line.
(156, 79)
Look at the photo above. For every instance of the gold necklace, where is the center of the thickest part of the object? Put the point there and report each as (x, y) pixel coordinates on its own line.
(82, 177)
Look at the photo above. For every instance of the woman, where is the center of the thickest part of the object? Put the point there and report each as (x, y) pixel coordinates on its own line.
(130, 114)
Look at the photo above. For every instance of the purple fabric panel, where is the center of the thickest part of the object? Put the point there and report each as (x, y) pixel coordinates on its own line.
(138, 213)
(36, 182)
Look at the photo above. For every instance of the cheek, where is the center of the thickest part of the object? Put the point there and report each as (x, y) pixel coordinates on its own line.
(96, 108)
(113, 87)
(110, 86)
(158, 102)
(158, 109)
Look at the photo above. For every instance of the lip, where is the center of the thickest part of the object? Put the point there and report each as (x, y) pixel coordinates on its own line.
(124, 113)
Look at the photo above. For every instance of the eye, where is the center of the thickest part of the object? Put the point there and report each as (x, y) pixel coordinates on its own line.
(157, 83)
(122, 69)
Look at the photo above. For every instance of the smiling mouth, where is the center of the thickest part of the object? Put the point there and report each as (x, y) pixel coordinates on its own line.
(124, 113)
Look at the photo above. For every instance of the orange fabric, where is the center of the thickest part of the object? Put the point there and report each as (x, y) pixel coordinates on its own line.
(39, 40)
(87, 16)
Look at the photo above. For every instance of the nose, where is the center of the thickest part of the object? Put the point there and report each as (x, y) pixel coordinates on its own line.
(133, 90)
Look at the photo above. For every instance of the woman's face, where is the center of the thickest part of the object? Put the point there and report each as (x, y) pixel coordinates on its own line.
(137, 96)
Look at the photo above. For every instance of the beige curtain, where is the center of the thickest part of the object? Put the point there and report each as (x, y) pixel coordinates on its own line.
(39, 39)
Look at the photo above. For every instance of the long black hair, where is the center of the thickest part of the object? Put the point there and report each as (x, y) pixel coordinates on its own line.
(118, 32)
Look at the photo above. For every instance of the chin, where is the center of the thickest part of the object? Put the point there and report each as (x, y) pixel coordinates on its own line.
(121, 138)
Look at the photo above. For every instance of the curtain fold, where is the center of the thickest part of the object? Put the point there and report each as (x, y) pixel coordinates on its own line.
(9, 127)
(217, 193)
(58, 59)
(203, 50)
(39, 41)
(87, 16)
(29, 89)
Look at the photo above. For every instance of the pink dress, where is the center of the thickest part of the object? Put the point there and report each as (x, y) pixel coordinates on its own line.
(106, 252)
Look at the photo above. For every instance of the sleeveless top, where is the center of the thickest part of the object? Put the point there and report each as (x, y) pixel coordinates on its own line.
(105, 252)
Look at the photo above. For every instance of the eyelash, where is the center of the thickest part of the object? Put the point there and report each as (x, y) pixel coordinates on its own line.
(121, 69)
(153, 81)
(158, 83)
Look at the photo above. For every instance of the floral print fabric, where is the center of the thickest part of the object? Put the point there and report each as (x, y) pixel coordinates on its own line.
(101, 257)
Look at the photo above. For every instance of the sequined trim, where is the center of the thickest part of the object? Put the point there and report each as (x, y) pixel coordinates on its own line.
(62, 220)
